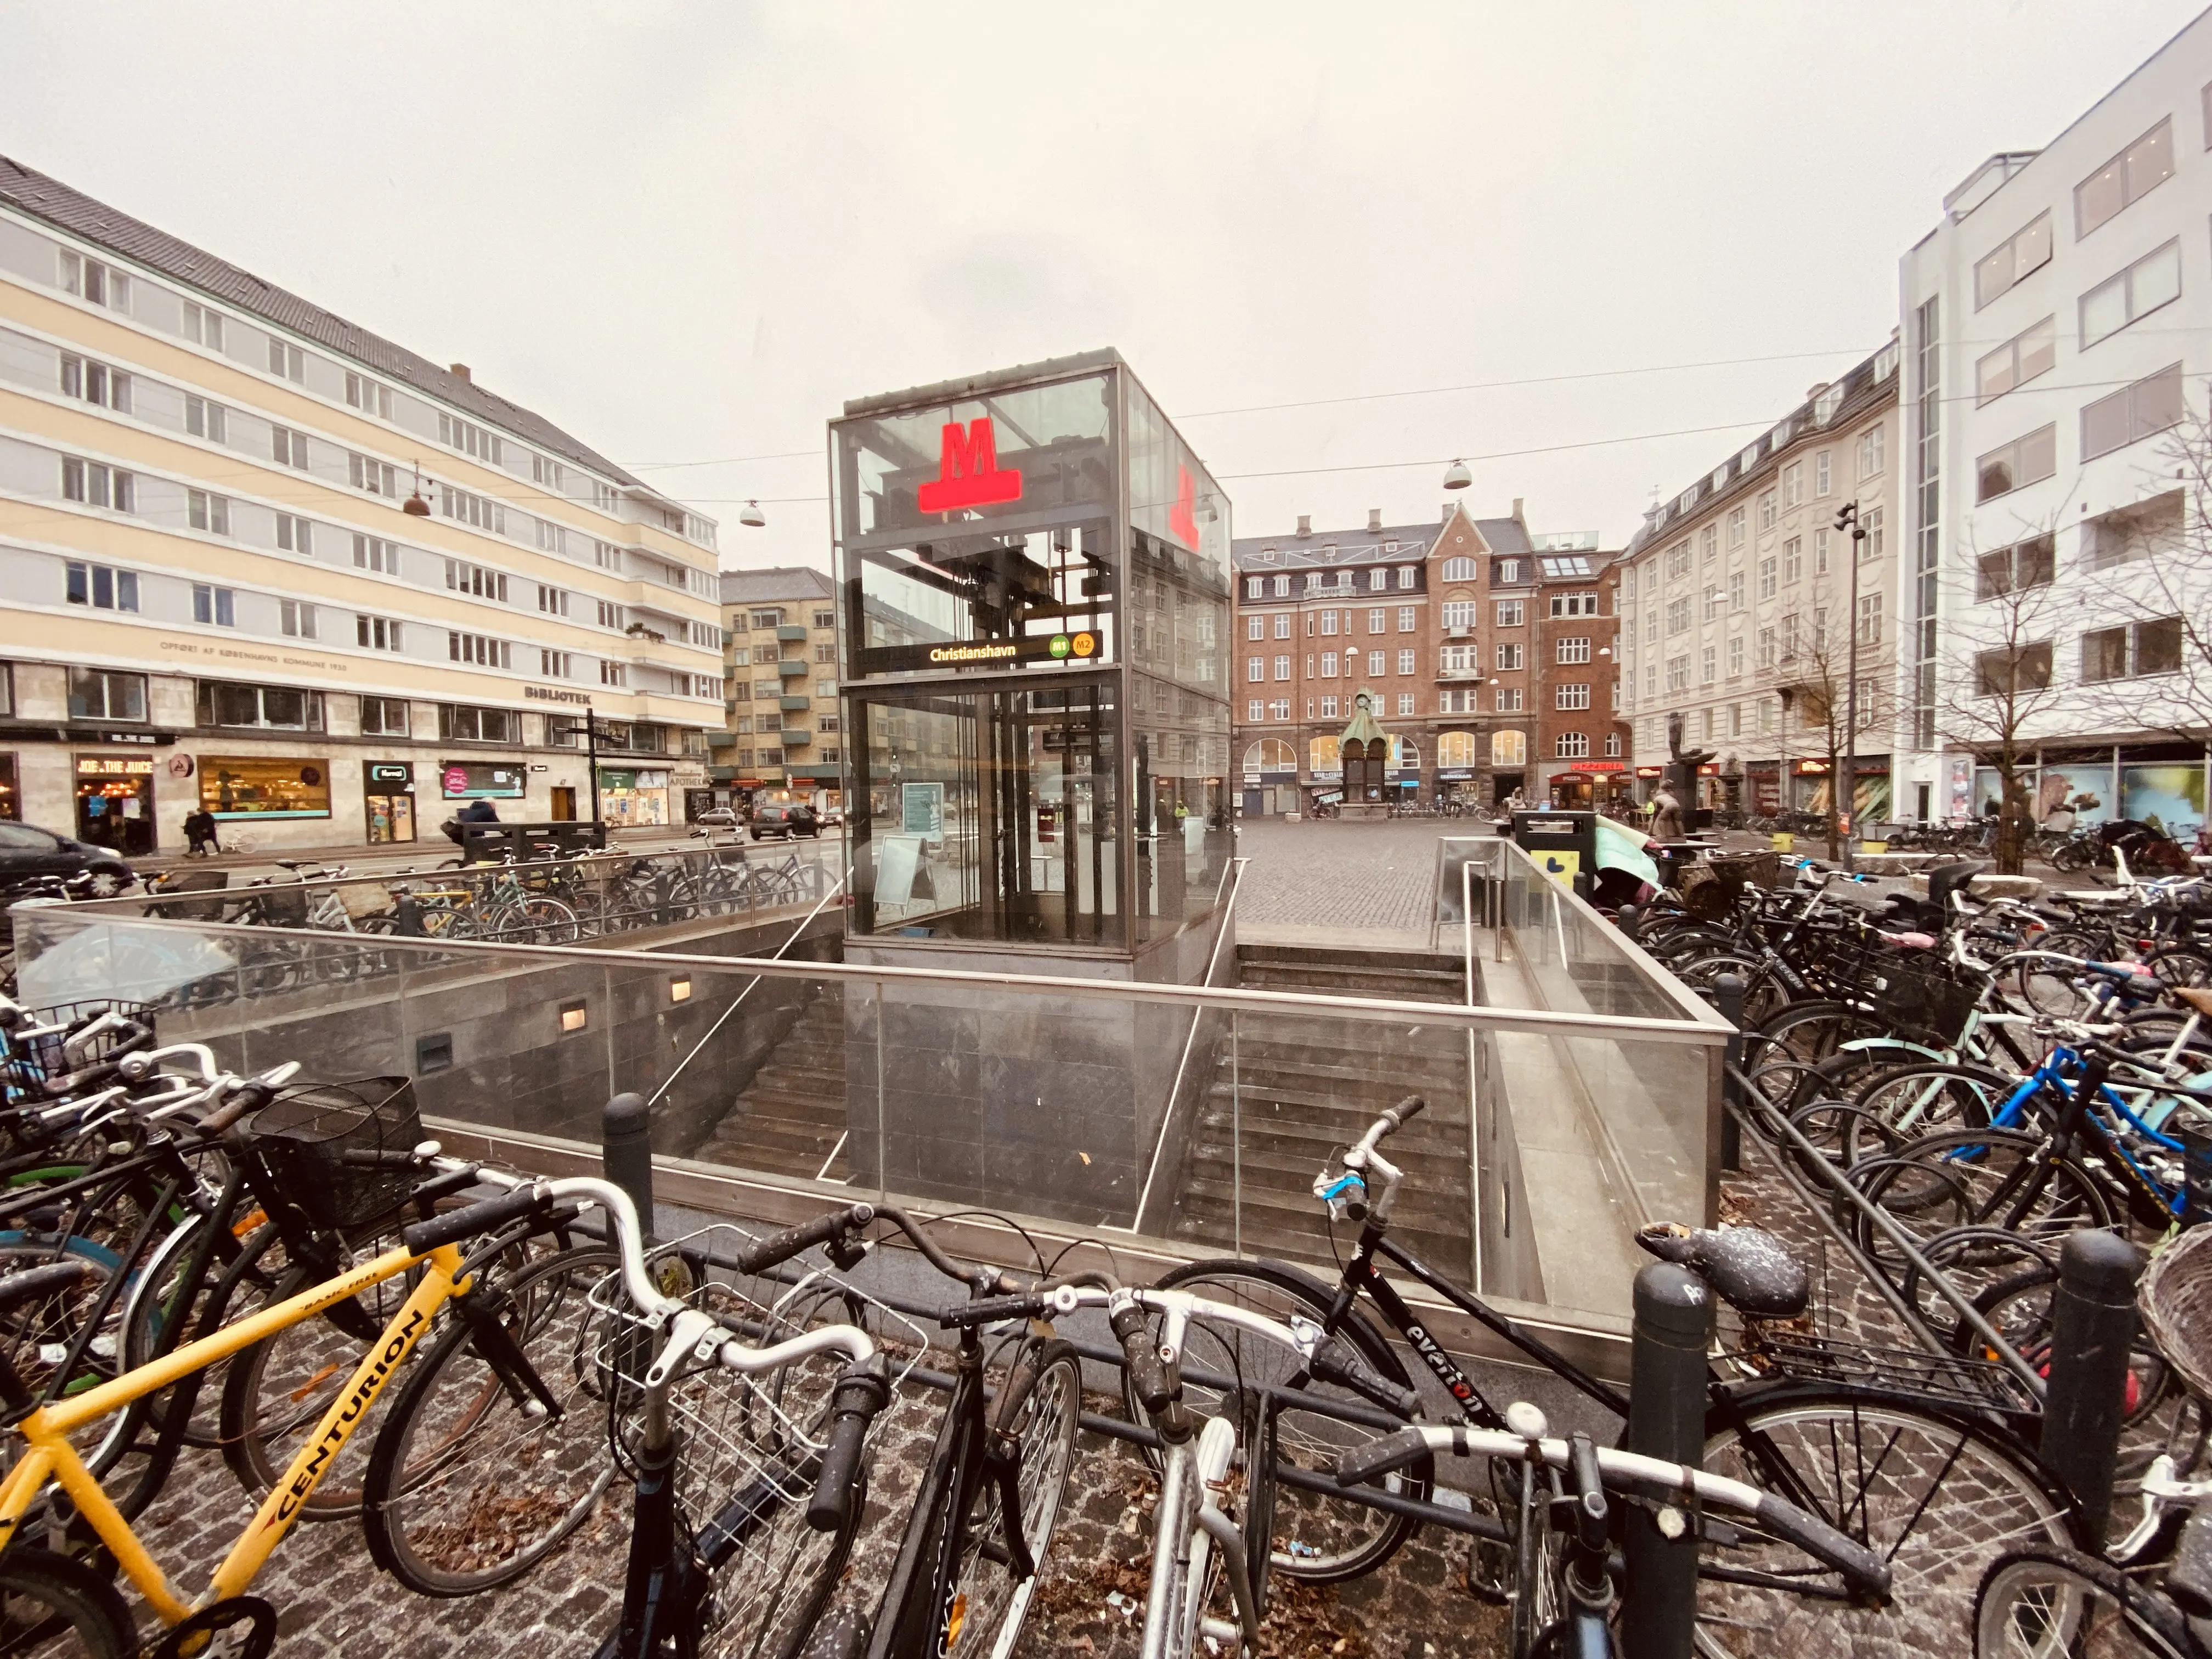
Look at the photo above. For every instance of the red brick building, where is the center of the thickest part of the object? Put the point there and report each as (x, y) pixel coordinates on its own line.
(1451, 627)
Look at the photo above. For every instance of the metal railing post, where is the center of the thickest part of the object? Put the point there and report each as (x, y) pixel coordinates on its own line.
(1728, 996)
(1666, 1420)
(626, 1151)
(2093, 1326)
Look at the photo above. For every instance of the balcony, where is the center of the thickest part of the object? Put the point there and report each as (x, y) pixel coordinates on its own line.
(1469, 675)
(790, 669)
(788, 632)
(798, 705)
(794, 736)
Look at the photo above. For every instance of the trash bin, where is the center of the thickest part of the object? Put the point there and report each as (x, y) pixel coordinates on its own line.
(1564, 844)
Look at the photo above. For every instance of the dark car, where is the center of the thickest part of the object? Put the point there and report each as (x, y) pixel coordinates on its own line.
(27, 852)
(784, 821)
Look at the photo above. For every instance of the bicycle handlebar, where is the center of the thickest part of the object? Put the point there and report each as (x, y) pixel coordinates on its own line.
(1866, 1573)
(778, 1248)
(862, 1392)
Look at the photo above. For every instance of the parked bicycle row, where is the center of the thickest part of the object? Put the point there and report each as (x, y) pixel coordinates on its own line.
(1969, 1084)
(276, 1268)
(560, 901)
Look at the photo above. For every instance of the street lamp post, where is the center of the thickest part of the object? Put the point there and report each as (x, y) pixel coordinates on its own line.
(1846, 802)
(592, 758)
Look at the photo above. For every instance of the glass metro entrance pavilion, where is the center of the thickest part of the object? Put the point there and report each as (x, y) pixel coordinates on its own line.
(1034, 576)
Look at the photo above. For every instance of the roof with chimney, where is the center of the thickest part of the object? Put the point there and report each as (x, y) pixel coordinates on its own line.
(1373, 543)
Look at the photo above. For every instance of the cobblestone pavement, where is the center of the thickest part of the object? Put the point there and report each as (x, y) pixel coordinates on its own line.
(1341, 873)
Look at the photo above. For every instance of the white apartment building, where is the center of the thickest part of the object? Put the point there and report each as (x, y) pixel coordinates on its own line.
(257, 561)
(2058, 325)
(1739, 607)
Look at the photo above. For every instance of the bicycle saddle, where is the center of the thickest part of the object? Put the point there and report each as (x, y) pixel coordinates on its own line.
(1748, 1268)
(2199, 1000)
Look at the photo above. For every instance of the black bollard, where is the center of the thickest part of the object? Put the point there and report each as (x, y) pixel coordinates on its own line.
(1728, 997)
(2092, 1324)
(626, 1154)
(1583, 885)
(1624, 918)
(1666, 1420)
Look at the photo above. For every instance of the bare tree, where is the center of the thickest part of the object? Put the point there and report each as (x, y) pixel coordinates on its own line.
(1816, 664)
(1996, 676)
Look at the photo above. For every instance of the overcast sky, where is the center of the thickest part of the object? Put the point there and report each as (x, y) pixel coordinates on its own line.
(687, 232)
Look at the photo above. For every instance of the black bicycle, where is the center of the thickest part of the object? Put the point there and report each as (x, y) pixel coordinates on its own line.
(1932, 1470)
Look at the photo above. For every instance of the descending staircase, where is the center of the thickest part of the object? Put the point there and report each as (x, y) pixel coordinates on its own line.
(1299, 1088)
(792, 1116)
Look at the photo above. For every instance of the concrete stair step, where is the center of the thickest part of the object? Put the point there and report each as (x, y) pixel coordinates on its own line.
(1333, 1114)
(1261, 1235)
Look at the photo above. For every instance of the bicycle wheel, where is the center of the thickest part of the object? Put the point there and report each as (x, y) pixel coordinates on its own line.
(1978, 1178)
(1038, 1410)
(2048, 987)
(1316, 1537)
(279, 1387)
(2043, 1602)
(1938, 1499)
(469, 1485)
(1924, 1098)
(52, 1607)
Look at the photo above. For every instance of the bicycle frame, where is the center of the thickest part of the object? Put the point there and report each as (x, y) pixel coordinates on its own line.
(51, 1456)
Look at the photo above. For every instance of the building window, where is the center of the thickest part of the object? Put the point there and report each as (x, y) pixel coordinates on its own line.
(2126, 178)
(202, 326)
(1283, 625)
(383, 717)
(100, 694)
(1821, 469)
(2026, 460)
(294, 535)
(1254, 709)
(2013, 669)
(1767, 509)
(2018, 361)
(1678, 558)
(1405, 577)
(1279, 708)
(1463, 570)
(553, 601)
(1736, 584)
(2009, 263)
(1509, 570)
(1406, 661)
(1678, 673)
(377, 633)
(1707, 664)
(1374, 623)
(1735, 527)
(1256, 628)
(1766, 647)
(463, 577)
(1574, 604)
(276, 707)
(1328, 708)
(1574, 649)
(1870, 619)
(205, 419)
(461, 723)
(1328, 664)
(1570, 696)
(95, 485)
(102, 587)
(286, 361)
(2133, 412)
(610, 673)
(2148, 527)
(2131, 652)
(1374, 664)
(1254, 668)
(1377, 580)
(1871, 544)
(366, 395)
(1506, 748)
(479, 649)
(551, 537)
(208, 513)
(1678, 615)
(469, 438)
(95, 383)
(216, 607)
(1612, 744)
(554, 664)
(1793, 559)
(461, 506)
(1712, 600)
(2152, 282)
(1870, 447)
(1736, 656)
(1282, 588)
(1508, 658)
(372, 553)
(1405, 704)
(1329, 621)
(89, 279)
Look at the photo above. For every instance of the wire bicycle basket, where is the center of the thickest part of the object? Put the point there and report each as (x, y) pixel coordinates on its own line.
(36, 1054)
(752, 1445)
(308, 1139)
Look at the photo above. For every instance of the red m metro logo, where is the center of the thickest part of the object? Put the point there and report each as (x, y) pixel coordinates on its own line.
(968, 473)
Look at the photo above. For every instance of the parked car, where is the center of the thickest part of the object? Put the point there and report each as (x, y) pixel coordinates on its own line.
(784, 822)
(26, 851)
(719, 817)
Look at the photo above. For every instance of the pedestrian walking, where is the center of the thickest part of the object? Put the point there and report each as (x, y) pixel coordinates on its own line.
(200, 835)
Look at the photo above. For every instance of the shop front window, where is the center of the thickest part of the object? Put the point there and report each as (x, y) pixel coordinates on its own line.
(264, 786)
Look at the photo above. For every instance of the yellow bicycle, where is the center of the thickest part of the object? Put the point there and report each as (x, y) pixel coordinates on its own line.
(52, 1603)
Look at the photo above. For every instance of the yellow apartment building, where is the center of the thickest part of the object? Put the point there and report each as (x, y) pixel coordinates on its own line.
(257, 561)
(779, 668)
